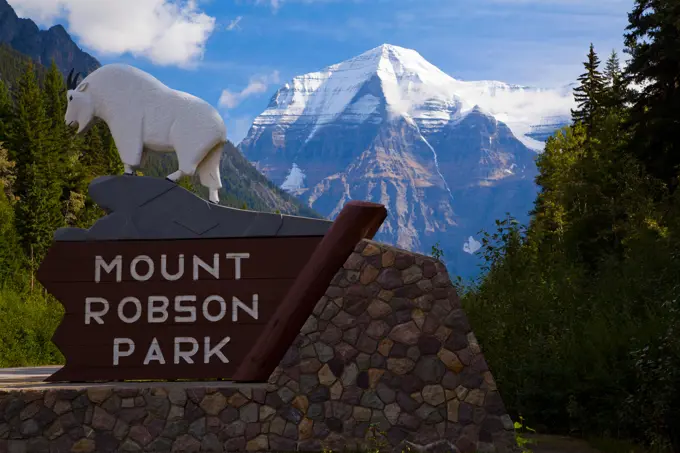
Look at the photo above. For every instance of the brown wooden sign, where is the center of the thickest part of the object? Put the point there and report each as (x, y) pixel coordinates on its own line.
(192, 308)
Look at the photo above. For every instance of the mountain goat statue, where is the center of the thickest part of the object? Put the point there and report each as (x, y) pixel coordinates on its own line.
(143, 114)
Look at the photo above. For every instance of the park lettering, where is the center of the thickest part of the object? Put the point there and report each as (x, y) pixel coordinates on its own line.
(180, 309)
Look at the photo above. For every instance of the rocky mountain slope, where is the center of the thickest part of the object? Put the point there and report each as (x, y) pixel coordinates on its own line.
(243, 185)
(43, 46)
(447, 157)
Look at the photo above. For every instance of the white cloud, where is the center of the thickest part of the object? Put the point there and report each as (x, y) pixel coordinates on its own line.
(234, 24)
(257, 85)
(471, 246)
(167, 32)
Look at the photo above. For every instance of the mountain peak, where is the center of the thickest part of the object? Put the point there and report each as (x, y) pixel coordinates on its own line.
(447, 157)
(392, 64)
(403, 84)
(390, 50)
(58, 30)
(43, 46)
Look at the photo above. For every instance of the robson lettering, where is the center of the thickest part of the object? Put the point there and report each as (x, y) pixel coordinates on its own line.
(158, 309)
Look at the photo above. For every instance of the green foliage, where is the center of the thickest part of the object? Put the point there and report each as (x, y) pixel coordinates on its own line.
(652, 40)
(44, 174)
(27, 322)
(6, 112)
(37, 184)
(657, 370)
(588, 94)
(520, 429)
(437, 252)
(11, 254)
(578, 312)
(615, 93)
(377, 439)
(14, 64)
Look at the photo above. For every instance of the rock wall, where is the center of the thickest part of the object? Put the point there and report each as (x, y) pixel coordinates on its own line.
(388, 360)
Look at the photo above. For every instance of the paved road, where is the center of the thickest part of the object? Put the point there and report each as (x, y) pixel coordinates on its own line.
(557, 444)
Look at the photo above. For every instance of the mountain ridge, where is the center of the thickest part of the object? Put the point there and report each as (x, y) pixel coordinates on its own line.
(447, 157)
(436, 100)
(43, 46)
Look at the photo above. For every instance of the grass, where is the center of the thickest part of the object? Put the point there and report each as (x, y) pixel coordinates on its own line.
(27, 322)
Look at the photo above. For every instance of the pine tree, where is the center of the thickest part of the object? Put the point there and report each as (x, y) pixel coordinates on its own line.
(5, 111)
(27, 137)
(92, 155)
(59, 152)
(615, 92)
(55, 96)
(653, 40)
(7, 174)
(38, 208)
(612, 69)
(588, 94)
(11, 256)
(113, 164)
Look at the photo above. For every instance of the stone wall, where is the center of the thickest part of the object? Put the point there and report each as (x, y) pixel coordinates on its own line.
(387, 360)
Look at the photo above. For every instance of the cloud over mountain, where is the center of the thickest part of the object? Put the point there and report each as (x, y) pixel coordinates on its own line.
(167, 32)
(447, 157)
(257, 85)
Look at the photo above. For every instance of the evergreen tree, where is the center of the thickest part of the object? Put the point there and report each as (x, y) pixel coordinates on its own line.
(113, 164)
(588, 94)
(59, 153)
(653, 40)
(55, 96)
(38, 208)
(11, 256)
(615, 92)
(92, 151)
(7, 174)
(612, 69)
(5, 111)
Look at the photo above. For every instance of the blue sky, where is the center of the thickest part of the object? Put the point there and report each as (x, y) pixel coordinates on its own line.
(252, 46)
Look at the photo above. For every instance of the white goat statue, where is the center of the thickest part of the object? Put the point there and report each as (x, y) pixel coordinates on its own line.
(144, 114)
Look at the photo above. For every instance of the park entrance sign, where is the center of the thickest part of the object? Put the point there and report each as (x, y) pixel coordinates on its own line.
(146, 308)
(194, 307)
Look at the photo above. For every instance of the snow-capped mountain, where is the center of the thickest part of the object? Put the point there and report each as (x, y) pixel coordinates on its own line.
(447, 157)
